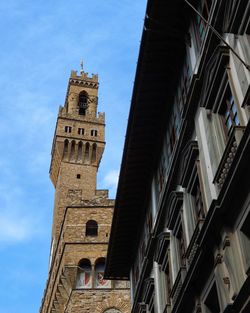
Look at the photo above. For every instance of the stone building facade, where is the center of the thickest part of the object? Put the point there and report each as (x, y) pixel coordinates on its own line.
(82, 215)
(181, 227)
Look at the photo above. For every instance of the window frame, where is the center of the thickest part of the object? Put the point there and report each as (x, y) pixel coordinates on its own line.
(68, 129)
(81, 131)
(91, 228)
(82, 271)
(82, 105)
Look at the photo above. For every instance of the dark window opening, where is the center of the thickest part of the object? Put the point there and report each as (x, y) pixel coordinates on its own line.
(182, 246)
(66, 148)
(172, 137)
(72, 152)
(198, 200)
(78, 176)
(68, 129)
(81, 131)
(245, 228)
(168, 284)
(93, 132)
(83, 103)
(94, 148)
(86, 154)
(91, 228)
(79, 153)
(212, 301)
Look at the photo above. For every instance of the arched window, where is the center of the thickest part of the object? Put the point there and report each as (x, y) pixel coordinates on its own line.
(72, 152)
(79, 154)
(66, 148)
(84, 274)
(83, 103)
(93, 158)
(86, 154)
(91, 228)
(100, 282)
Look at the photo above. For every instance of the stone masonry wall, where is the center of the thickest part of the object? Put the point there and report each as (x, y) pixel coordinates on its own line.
(97, 301)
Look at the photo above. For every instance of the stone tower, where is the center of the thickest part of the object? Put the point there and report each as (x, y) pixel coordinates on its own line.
(82, 215)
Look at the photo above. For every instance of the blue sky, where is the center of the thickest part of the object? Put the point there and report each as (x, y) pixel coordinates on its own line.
(41, 41)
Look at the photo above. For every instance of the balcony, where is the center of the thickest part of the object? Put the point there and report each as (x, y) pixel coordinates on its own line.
(228, 156)
(193, 245)
(176, 290)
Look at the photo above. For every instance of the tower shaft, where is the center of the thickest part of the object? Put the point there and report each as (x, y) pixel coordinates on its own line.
(82, 214)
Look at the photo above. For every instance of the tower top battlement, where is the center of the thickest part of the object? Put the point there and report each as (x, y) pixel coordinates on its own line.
(84, 76)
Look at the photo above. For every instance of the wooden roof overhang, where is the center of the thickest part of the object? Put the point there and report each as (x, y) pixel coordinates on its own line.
(161, 55)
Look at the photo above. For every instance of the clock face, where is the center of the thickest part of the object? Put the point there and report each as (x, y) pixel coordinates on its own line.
(112, 311)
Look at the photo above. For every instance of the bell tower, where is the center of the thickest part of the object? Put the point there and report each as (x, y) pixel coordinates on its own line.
(78, 144)
(82, 214)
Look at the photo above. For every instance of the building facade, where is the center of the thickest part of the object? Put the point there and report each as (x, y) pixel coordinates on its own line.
(181, 226)
(82, 214)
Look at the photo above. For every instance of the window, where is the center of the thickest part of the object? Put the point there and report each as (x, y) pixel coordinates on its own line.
(162, 257)
(67, 129)
(84, 274)
(161, 172)
(86, 153)
(81, 131)
(228, 111)
(83, 103)
(181, 245)
(168, 283)
(198, 204)
(245, 242)
(185, 78)
(100, 282)
(78, 176)
(148, 226)
(149, 294)
(91, 228)
(66, 149)
(93, 132)
(212, 301)
(172, 132)
(199, 25)
(93, 157)
(194, 208)
(73, 151)
(79, 152)
(177, 250)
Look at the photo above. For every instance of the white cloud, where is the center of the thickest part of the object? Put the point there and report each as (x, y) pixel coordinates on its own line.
(14, 229)
(19, 221)
(110, 181)
(111, 178)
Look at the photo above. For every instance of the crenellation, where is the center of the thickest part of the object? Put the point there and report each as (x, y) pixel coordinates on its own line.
(84, 75)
